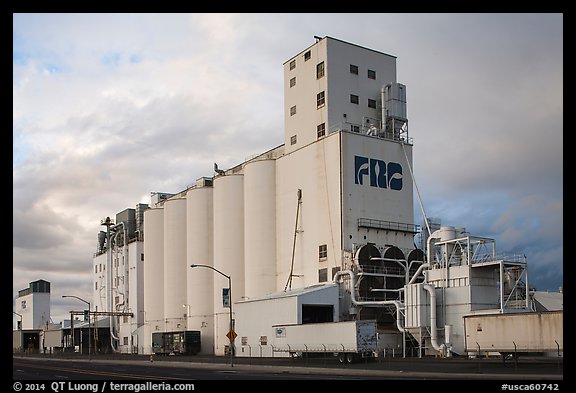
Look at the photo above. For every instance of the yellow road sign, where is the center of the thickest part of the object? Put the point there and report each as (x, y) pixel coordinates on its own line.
(231, 335)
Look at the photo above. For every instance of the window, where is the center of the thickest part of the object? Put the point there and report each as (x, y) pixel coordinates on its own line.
(335, 270)
(323, 275)
(142, 257)
(307, 56)
(96, 285)
(353, 69)
(354, 128)
(319, 70)
(354, 99)
(371, 74)
(322, 252)
(125, 340)
(371, 103)
(293, 140)
(321, 130)
(293, 110)
(293, 82)
(320, 100)
(292, 65)
(95, 268)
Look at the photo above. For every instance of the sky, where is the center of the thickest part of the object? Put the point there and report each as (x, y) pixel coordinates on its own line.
(108, 108)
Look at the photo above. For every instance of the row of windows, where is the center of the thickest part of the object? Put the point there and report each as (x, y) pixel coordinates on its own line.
(323, 274)
(321, 101)
(100, 267)
(307, 56)
(320, 132)
(320, 69)
(354, 99)
(354, 70)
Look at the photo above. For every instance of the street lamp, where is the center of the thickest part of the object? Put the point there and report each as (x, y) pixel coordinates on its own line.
(89, 333)
(231, 331)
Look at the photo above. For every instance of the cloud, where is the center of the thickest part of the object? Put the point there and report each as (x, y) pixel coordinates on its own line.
(109, 107)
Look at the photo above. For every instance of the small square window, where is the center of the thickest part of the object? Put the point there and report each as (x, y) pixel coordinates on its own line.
(371, 74)
(293, 82)
(323, 275)
(319, 70)
(322, 252)
(353, 69)
(371, 103)
(293, 110)
(354, 128)
(293, 140)
(292, 64)
(307, 56)
(321, 130)
(320, 99)
(354, 99)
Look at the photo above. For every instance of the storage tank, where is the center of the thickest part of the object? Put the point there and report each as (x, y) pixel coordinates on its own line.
(175, 264)
(154, 270)
(445, 233)
(260, 228)
(199, 305)
(228, 249)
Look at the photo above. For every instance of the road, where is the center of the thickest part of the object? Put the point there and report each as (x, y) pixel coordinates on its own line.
(139, 368)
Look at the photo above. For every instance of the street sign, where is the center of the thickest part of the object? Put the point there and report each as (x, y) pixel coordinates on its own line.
(231, 335)
(226, 297)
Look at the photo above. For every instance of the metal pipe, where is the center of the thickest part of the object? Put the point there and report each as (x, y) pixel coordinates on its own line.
(420, 268)
(433, 330)
(395, 303)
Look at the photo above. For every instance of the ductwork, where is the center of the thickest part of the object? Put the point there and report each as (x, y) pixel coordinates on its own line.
(395, 303)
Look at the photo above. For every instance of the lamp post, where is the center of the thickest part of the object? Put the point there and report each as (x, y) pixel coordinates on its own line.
(231, 331)
(89, 333)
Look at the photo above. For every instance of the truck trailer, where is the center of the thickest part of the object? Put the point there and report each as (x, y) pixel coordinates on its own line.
(176, 343)
(349, 340)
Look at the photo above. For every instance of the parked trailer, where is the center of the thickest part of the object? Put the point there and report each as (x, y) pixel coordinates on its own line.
(349, 340)
(515, 332)
(176, 343)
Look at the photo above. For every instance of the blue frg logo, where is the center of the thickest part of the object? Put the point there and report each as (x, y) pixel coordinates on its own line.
(379, 173)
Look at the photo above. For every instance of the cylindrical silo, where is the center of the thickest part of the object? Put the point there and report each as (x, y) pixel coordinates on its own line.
(175, 264)
(259, 228)
(153, 272)
(228, 250)
(200, 286)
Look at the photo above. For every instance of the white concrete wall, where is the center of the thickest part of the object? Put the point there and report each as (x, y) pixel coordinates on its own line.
(374, 202)
(35, 310)
(316, 171)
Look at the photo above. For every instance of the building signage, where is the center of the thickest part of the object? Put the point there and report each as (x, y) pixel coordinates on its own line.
(377, 173)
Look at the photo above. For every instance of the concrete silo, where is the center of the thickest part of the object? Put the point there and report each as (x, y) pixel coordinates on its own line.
(260, 228)
(153, 272)
(199, 305)
(175, 267)
(228, 250)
